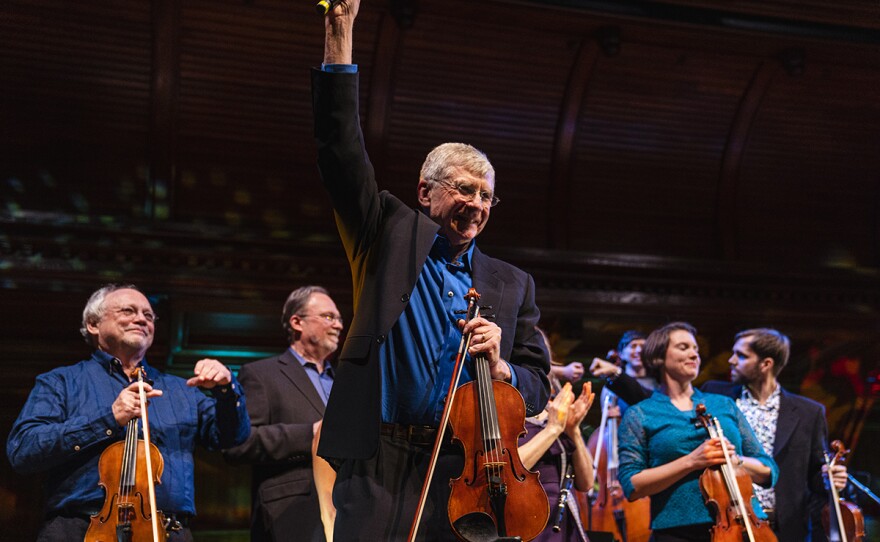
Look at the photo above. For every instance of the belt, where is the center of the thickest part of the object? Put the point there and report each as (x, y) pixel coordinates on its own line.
(418, 435)
(176, 522)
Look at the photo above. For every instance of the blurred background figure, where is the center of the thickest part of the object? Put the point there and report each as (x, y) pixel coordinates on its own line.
(287, 394)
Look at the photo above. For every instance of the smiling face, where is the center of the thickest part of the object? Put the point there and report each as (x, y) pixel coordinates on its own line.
(126, 327)
(461, 218)
(632, 355)
(318, 327)
(682, 362)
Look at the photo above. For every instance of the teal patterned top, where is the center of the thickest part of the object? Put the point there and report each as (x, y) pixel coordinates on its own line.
(655, 432)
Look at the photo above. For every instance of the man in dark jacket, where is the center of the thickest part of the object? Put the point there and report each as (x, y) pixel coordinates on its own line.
(410, 270)
(287, 394)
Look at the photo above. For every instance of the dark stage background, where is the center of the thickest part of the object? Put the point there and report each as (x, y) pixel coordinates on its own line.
(705, 160)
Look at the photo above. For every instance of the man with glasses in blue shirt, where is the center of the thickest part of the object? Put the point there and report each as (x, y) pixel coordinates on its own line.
(286, 399)
(411, 269)
(74, 413)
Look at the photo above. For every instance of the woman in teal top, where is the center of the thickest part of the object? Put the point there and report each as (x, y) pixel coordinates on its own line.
(663, 450)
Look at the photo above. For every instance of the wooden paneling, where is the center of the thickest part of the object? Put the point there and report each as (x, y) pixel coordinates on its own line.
(694, 172)
(75, 106)
(847, 13)
(819, 205)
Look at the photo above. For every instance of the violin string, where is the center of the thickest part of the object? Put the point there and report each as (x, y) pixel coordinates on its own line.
(125, 479)
(492, 417)
(132, 460)
(486, 401)
(484, 420)
(499, 453)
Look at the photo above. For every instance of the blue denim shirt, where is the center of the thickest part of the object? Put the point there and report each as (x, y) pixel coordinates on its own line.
(67, 422)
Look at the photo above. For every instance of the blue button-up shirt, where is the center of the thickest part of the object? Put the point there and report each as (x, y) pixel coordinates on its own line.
(67, 422)
(323, 382)
(419, 356)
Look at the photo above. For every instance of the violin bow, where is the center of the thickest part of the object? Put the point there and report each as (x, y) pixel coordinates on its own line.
(472, 297)
(713, 427)
(154, 516)
(731, 479)
(599, 445)
(839, 451)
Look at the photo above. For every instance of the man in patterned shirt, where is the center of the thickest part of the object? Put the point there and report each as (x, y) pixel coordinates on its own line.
(791, 428)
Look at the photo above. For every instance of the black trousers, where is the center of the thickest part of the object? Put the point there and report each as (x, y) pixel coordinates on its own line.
(688, 533)
(376, 499)
(73, 529)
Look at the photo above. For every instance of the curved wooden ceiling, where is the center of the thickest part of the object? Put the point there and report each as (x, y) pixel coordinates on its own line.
(745, 131)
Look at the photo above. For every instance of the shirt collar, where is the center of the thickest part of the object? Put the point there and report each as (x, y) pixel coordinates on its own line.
(441, 248)
(328, 369)
(112, 364)
(772, 402)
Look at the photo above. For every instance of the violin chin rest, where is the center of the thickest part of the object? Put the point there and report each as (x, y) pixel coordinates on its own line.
(480, 527)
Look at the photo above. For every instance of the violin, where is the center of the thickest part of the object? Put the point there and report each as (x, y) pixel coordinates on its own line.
(127, 473)
(608, 508)
(496, 497)
(727, 490)
(848, 523)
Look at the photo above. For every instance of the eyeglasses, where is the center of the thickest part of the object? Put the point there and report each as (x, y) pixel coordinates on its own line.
(131, 312)
(328, 317)
(468, 191)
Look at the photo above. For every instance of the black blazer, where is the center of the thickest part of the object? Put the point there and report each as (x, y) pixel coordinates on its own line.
(283, 406)
(801, 433)
(387, 243)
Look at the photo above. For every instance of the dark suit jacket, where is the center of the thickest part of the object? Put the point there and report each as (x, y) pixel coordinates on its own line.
(387, 243)
(283, 405)
(801, 432)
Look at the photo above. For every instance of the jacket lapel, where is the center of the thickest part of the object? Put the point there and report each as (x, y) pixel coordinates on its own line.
(293, 371)
(486, 282)
(787, 422)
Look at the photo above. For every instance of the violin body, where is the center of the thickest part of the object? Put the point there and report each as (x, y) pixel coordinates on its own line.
(852, 518)
(493, 472)
(727, 491)
(729, 523)
(125, 515)
(611, 511)
(635, 516)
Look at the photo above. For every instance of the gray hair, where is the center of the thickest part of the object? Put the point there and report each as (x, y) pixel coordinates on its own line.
(296, 301)
(94, 309)
(444, 157)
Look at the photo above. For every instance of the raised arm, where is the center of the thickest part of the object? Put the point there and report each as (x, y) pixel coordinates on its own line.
(338, 32)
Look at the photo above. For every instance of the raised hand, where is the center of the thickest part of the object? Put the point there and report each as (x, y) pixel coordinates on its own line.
(578, 410)
(210, 373)
(603, 368)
